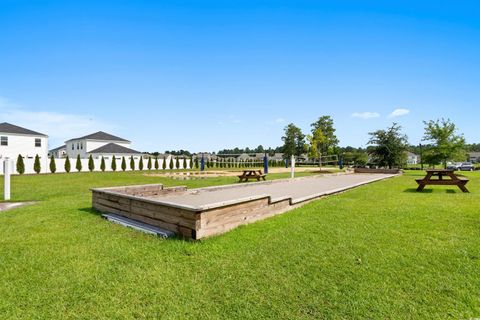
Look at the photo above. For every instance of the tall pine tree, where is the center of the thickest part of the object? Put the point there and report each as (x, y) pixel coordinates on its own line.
(78, 165)
(53, 166)
(36, 165)
(20, 165)
(67, 165)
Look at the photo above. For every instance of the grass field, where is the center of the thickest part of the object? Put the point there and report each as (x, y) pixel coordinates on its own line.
(378, 251)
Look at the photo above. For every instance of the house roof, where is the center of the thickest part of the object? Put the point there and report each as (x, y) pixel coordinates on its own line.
(6, 127)
(58, 148)
(100, 135)
(113, 148)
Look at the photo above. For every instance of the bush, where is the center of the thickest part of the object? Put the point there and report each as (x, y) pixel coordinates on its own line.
(124, 164)
(140, 164)
(20, 165)
(196, 163)
(67, 166)
(156, 163)
(53, 166)
(102, 164)
(170, 166)
(36, 165)
(78, 165)
(132, 163)
(164, 163)
(177, 163)
(114, 164)
(149, 163)
(91, 164)
(184, 163)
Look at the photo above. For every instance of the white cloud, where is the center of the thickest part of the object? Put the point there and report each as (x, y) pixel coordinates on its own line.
(399, 112)
(58, 126)
(366, 115)
(276, 121)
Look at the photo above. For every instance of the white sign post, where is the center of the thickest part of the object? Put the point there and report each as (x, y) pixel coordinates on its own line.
(292, 165)
(7, 170)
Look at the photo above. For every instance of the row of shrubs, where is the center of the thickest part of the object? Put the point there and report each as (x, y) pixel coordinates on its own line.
(151, 163)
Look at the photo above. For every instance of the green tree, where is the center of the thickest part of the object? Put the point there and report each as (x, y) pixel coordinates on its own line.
(156, 163)
(164, 163)
(67, 165)
(322, 140)
(91, 164)
(114, 164)
(196, 163)
(20, 164)
(171, 164)
(184, 163)
(177, 163)
(78, 165)
(446, 144)
(293, 141)
(36, 165)
(388, 147)
(123, 165)
(53, 166)
(102, 164)
(132, 163)
(149, 163)
(140, 163)
(329, 142)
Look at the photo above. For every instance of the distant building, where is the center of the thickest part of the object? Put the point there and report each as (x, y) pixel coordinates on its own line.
(474, 157)
(59, 152)
(97, 144)
(413, 158)
(15, 140)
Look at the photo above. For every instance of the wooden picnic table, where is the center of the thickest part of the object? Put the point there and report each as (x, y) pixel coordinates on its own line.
(436, 177)
(252, 174)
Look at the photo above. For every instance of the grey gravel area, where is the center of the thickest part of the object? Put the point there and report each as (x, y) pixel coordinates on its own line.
(300, 189)
(11, 205)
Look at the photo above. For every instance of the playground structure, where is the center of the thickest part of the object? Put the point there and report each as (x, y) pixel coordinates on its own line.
(204, 212)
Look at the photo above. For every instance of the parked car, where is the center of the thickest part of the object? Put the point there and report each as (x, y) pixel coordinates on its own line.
(467, 166)
(454, 166)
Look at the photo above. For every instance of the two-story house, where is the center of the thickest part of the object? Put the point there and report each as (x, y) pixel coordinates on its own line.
(99, 144)
(15, 140)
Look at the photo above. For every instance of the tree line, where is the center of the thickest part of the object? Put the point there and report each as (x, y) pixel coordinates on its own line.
(385, 148)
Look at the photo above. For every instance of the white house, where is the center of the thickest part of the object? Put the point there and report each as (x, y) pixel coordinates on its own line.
(93, 143)
(474, 157)
(413, 158)
(15, 140)
(59, 152)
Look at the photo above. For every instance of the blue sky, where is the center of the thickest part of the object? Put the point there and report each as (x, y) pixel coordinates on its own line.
(204, 75)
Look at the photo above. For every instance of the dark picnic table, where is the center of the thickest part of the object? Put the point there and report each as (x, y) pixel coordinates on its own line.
(437, 177)
(252, 174)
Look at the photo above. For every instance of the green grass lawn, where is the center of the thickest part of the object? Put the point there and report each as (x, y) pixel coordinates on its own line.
(378, 251)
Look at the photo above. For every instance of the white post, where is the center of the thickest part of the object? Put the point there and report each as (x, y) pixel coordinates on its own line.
(7, 169)
(292, 167)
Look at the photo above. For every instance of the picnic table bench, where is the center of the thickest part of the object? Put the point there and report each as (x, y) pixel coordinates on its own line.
(453, 180)
(252, 174)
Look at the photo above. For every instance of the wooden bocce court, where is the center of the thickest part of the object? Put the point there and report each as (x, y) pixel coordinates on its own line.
(204, 212)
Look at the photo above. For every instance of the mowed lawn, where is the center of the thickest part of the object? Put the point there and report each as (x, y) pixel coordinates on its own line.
(378, 251)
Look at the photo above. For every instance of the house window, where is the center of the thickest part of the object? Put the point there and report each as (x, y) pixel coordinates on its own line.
(81, 145)
(73, 146)
(78, 145)
(4, 141)
(38, 142)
